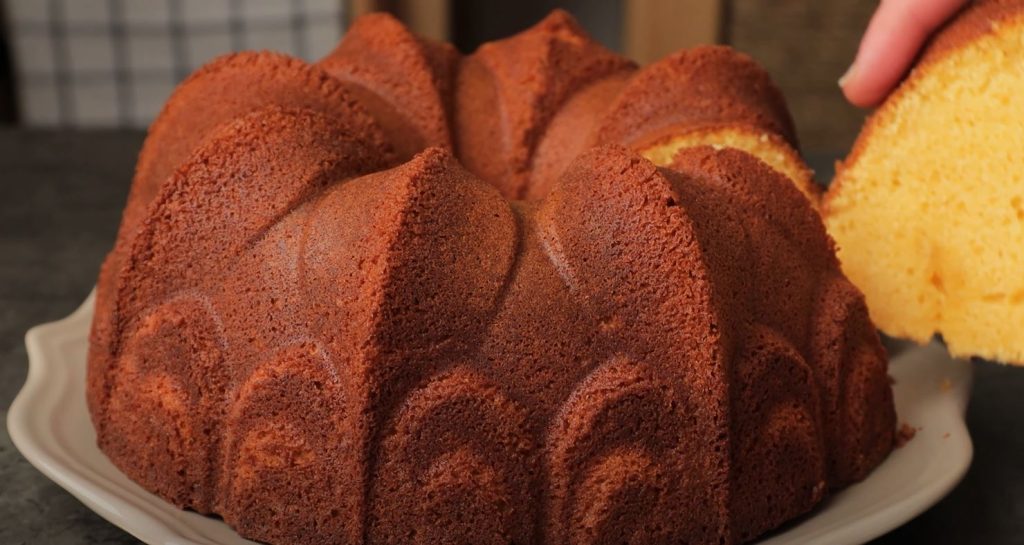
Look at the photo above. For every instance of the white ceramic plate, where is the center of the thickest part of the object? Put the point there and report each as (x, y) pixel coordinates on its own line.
(50, 425)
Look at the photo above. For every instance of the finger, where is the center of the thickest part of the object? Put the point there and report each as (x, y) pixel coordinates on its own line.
(894, 36)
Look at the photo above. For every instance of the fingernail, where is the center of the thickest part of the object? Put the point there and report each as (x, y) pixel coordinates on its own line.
(848, 74)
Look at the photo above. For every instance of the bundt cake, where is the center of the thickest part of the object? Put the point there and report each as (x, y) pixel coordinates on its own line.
(332, 316)
(928, 209)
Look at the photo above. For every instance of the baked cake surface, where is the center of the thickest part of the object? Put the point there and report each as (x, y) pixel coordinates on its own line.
(324, 339)
(928, 209)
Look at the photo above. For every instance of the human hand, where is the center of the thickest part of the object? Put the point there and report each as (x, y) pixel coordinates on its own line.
(894, 36)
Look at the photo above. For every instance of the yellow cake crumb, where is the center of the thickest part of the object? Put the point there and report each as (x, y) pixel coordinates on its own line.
(928, 212)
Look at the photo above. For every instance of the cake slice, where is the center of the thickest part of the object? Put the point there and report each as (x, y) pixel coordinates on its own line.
(928, 209)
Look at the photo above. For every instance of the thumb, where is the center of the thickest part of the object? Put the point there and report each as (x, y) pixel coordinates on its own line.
(894, 36)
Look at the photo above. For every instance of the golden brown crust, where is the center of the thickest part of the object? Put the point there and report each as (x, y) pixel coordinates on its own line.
(977, 19)
(216, 204)
(509, 90)
(570, 132)
(706, 85)
(221, 91)
(409, 79)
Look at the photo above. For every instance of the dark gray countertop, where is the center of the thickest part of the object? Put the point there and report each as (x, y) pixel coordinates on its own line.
(61, 195)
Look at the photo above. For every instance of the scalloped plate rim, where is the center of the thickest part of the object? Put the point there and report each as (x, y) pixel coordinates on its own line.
(932, 391)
